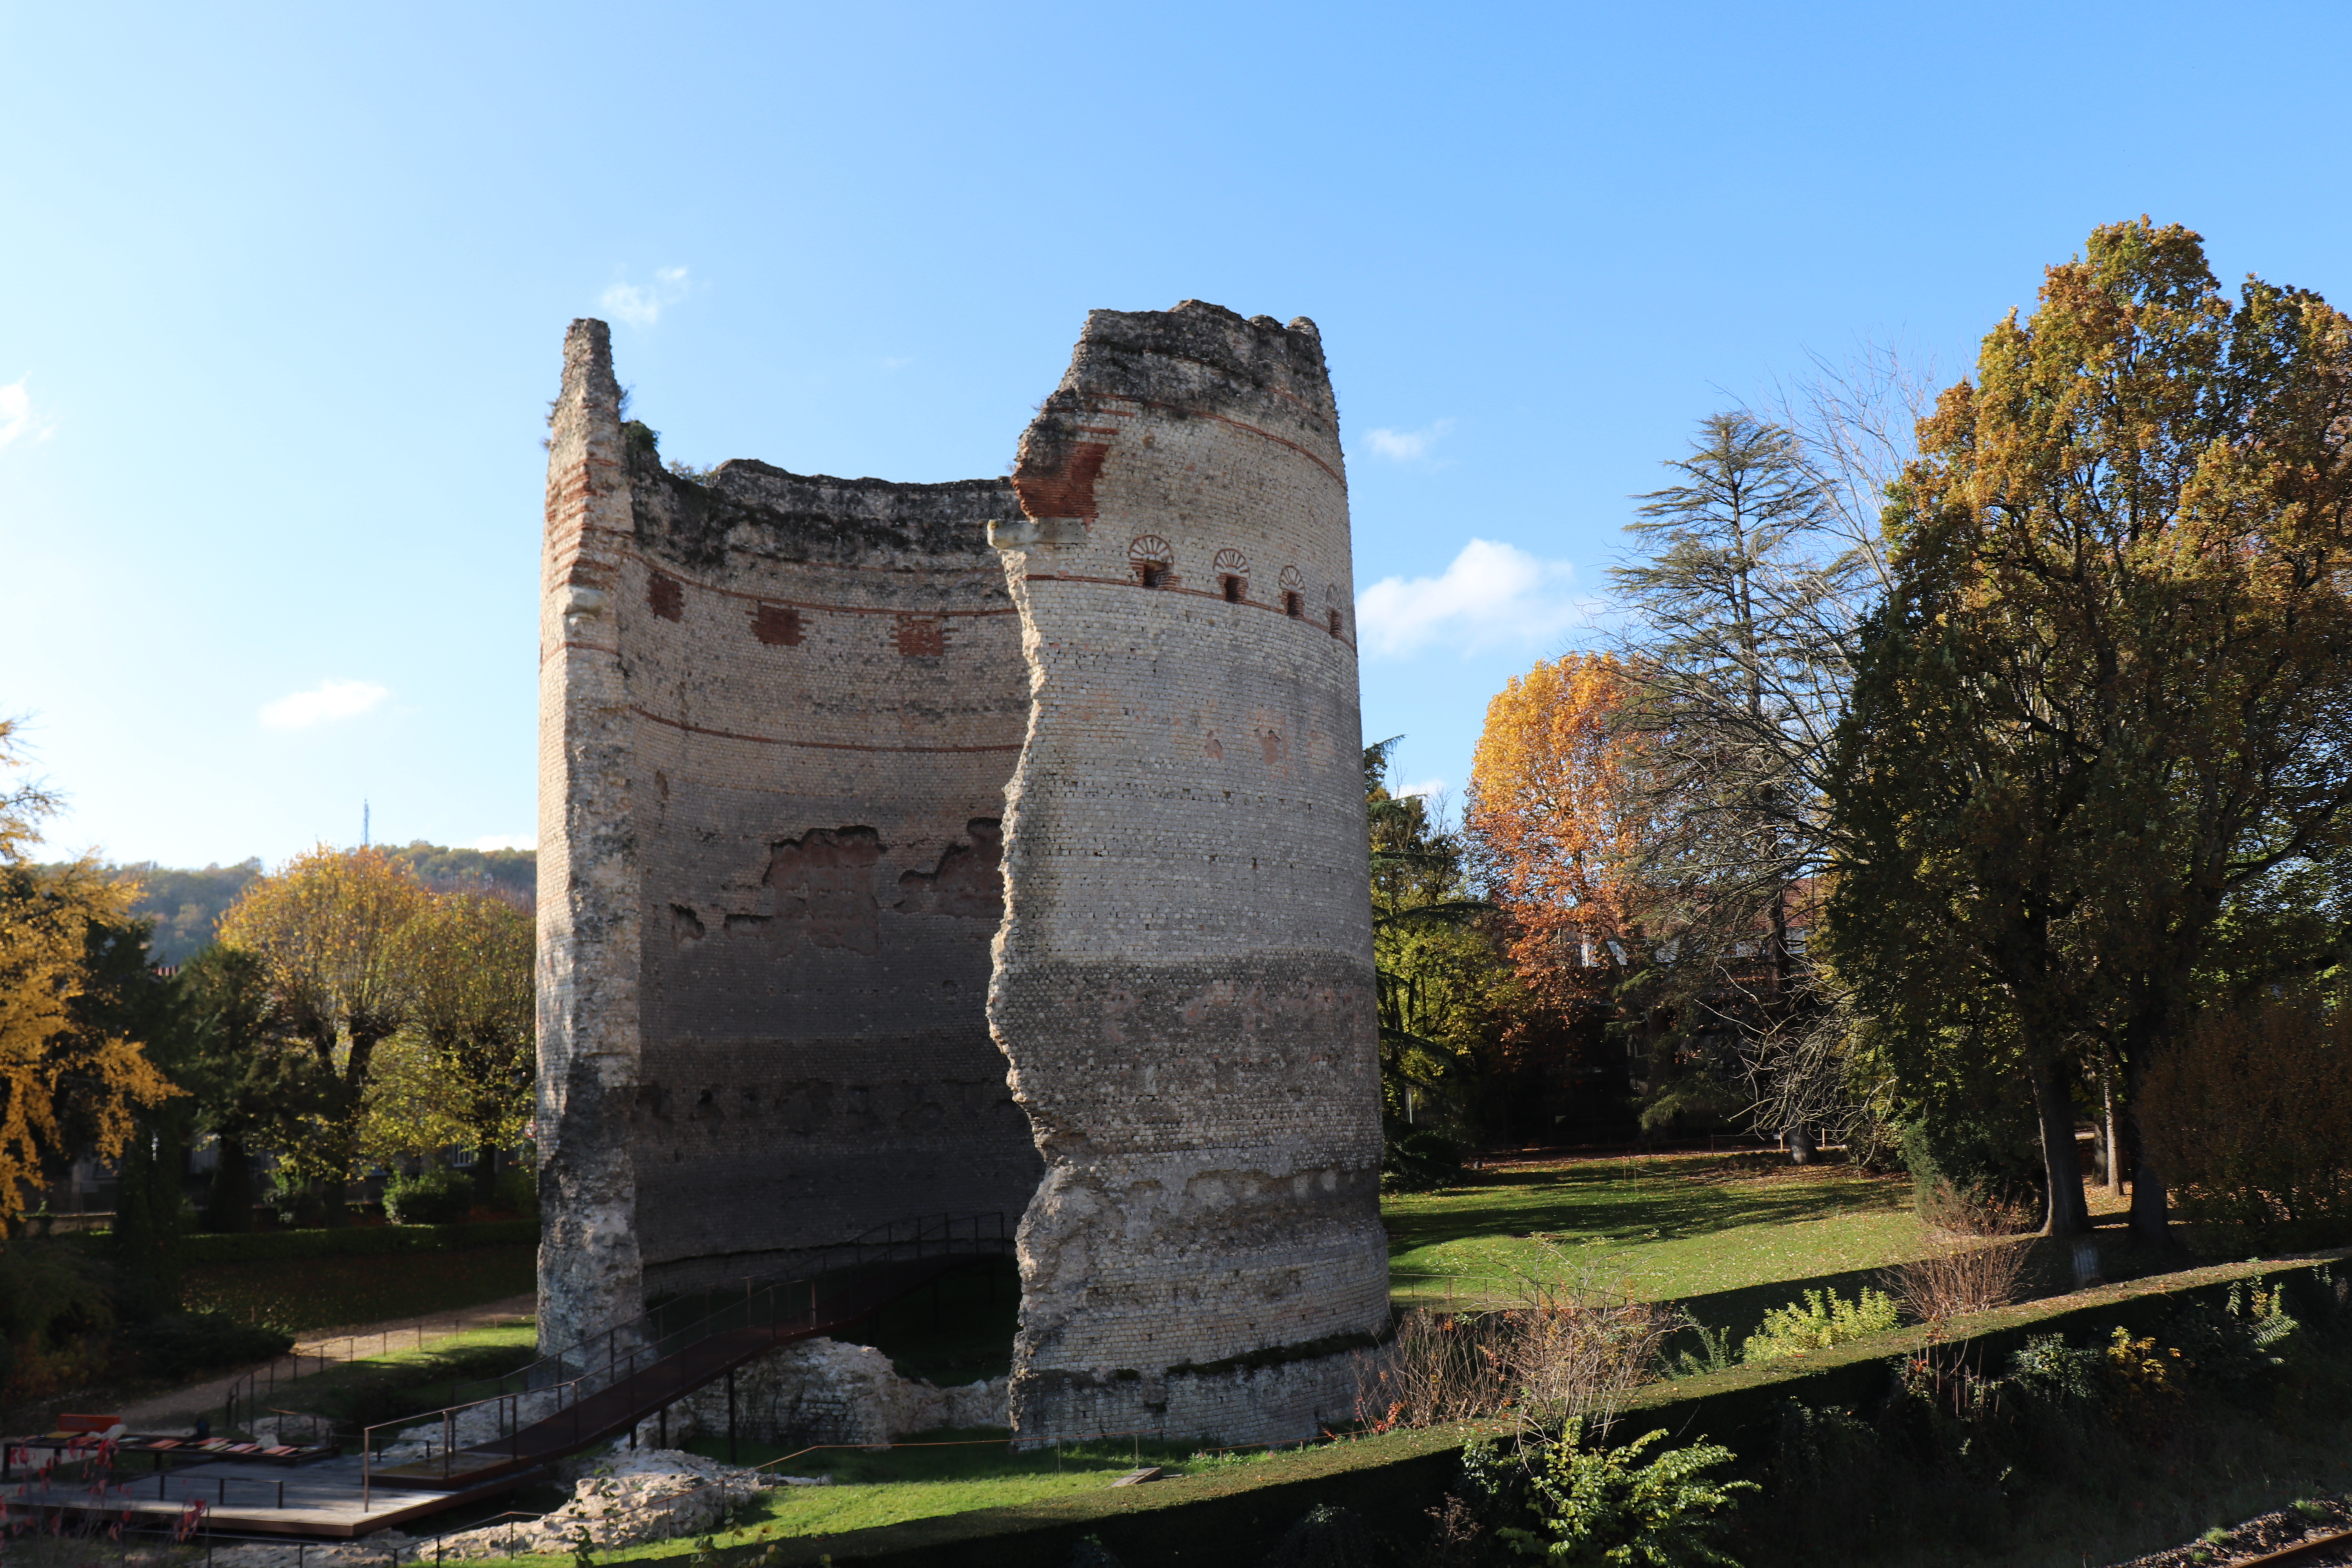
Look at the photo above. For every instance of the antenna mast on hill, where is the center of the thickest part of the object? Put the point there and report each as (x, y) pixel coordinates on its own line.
(363, 822)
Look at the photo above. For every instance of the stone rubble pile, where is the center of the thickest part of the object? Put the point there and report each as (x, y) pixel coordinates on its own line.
(624, 1499)
(371, 1552)
(822, 1391)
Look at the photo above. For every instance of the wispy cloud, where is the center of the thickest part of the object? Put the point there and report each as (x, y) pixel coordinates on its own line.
(19, 420)
(900, 364)
(1406, 446)
(323, 703)
(1489, 596)
(1425, 787)
(507, 841)
(641, 304)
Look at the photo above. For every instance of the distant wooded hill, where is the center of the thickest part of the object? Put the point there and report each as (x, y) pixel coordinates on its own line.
(186, 905)
(463, 870)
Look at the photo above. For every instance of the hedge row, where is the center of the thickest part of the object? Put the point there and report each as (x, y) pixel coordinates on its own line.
(1393, 1478)
(341, 1241)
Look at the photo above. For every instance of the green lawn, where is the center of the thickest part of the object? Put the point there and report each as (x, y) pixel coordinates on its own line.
(1662, 1229)
(328, 1293)
(939, 1473)
(400, 1383)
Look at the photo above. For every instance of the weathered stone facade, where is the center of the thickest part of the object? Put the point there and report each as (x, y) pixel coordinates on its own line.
(1184, 978)
(779, 719)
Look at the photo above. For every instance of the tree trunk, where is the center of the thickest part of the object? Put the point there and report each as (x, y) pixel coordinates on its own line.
(2109, 1134)
(230, 1206)
(2068, 1213)
(2151, 1215)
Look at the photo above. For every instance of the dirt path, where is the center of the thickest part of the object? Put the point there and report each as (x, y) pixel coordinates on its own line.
(317, 1347)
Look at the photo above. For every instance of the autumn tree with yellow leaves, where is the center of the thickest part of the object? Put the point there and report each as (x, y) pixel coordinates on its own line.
(63, 1085)
(472, 1026)
(2095, 767)
(415, 1009)
(328, 933)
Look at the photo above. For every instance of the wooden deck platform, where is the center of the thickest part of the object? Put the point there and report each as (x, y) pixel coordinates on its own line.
(321, 1501)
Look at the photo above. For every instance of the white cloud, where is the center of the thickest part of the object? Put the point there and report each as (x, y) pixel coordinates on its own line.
(641, 305)
(1425, 787)
(1490, 595)
(1405, 445)
(18, 419)
(507, 841)
(328, 700)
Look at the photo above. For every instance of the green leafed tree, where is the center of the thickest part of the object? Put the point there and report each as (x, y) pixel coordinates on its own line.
(1435, 968)
(326, 931)
(2105, 714)
(472, 956)
(256, 1086)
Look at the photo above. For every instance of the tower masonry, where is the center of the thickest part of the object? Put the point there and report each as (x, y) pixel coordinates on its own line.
(989, 846)
(777, 716)
(1184, 980)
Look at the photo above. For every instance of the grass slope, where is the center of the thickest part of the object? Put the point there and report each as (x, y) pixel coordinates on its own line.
(1665, 1228)
(401, 1383)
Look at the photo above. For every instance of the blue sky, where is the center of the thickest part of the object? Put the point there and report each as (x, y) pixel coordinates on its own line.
(282, 291)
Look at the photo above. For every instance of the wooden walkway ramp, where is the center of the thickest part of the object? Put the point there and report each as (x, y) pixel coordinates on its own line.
(584, 1394)
(639, 1384)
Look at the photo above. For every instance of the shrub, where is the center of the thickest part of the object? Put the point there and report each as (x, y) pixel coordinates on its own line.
(187, 1343)
(439, 1196)
(1331, 1537)
(2053, 1373)
(1561, 1352)
(352, 1241)
(1420, 1160)
(1597, 1506)
(1820, 1320)
(2251, 1119)
(1955, 1280)
(296, 1205)
(517, 1189)
(1982, 1157)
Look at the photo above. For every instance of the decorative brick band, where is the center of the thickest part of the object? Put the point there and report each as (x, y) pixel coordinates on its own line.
(809, 745)
(1172, 587)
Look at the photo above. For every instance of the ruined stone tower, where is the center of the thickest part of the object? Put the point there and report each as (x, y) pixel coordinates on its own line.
(789, 726)
(1184, 978)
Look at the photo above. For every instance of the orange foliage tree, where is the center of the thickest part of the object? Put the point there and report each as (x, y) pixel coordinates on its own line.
(1559, 810)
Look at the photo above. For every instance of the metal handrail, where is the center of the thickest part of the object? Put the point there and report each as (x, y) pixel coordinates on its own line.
(924, 1231)
(888, 1239)
(623, 1361)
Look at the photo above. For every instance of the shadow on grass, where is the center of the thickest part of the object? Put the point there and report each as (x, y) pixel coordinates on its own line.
(1607, 1201)
(328, 1293)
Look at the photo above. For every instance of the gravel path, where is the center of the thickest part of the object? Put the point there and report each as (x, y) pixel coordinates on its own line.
(2259, 1537)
